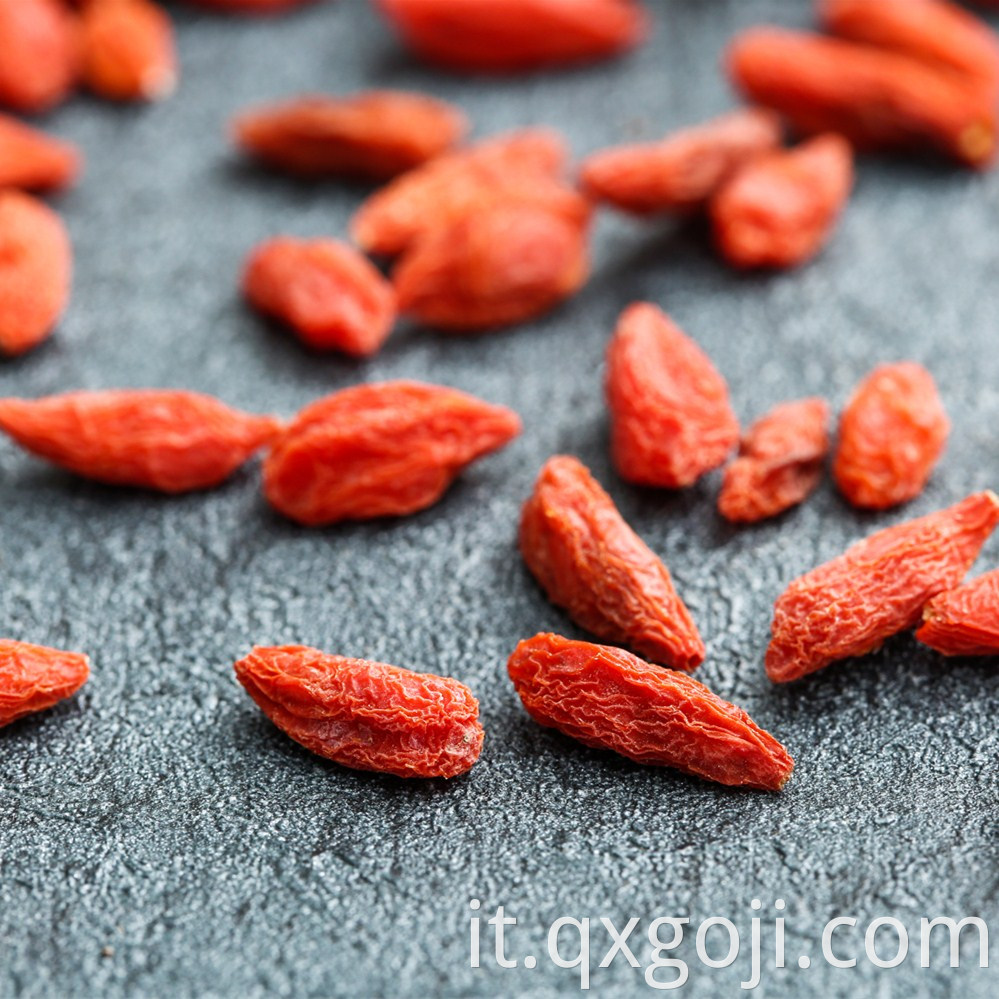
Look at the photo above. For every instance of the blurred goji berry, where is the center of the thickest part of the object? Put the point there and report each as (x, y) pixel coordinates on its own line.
(891, 434)
(376, 134)
(366, 715)
(380, 450)
(39, 54)
(964, 621)
(589, 561)
(876, 588)
(607, 698)
(33, 678)
(671, 419)
(162, 439)
(33, 160)
(330, 295)
(780, 461)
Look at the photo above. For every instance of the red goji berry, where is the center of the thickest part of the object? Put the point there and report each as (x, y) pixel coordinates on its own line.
(876, 588)
(39, 41)
(366, 715)
(779, 210)
(589, 561)
(891, 434)
(380, 450)
(33, 160)
(330, 295)
(376, 134)
(504, 36)
(33, 678)
(607, 698)
(679, 173)
(161, 439)
(779, 464)
(964, 621)
(671, 420)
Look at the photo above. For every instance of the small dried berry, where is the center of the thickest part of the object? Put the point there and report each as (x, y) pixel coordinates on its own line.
(33, 678)
(33, 160)
(964, 621)
(39, 56)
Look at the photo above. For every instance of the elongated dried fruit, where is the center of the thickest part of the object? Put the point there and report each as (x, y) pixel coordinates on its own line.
(523, 165)
(380, 450)
(376, 134)
(964, 621)
(679, 173)
(330, 295)
(33, 678)
(891, 434)
(505, 36)
(162, 439)
(876, 98)
(876, 588)
(779, 464)
(780, 210)
(366, 715)
(607, 698)
(671, 419)
(33, 160)
(35, 271)
(39, 57)
(589, 561)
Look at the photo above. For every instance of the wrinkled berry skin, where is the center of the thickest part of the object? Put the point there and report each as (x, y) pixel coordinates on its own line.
(671, 419)
(589, 561)
(366, 715)
(891, 434)
(779, 464)
(33, 160)
(964, 621)
(607, 698)
(780, 210)
(380, 450)
(39, 54)
(161, 439)
(876, 588)
(33, 678)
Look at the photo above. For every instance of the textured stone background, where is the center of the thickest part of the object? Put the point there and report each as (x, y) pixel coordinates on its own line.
(160, 815)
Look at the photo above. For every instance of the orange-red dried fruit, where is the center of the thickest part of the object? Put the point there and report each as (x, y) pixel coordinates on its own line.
(607, 698)
(891, 434)
(679, 173)
(380, 450)
(516, 166)
(589, 561)
(162, 439)
(330, 295)
(876, 588)
(39, 56)
(33, 160)
(36, 263)
(33, 678)
(876, 98)
(505, 36)
(964, 621)
(376, 134)
(780, 462)
(504, 264)
(366, 715)
(671, 419)
(780, 210)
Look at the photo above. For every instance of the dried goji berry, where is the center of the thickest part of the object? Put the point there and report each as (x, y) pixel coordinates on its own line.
(607, 698)
(589, 561)
(33, 678)
(877, 98)
(330, 295)
(377, 134)
(671, 419)
(380, 450)
(36, 263)
(40, 61)
(33, 160)
(502, 36)
(128, 50)
(513, 166)
(779, 210)
(964, 621)
(160, 439)
(876, 588)
(780, 461)
(366, 715)
(679, 173)
(891, 434)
